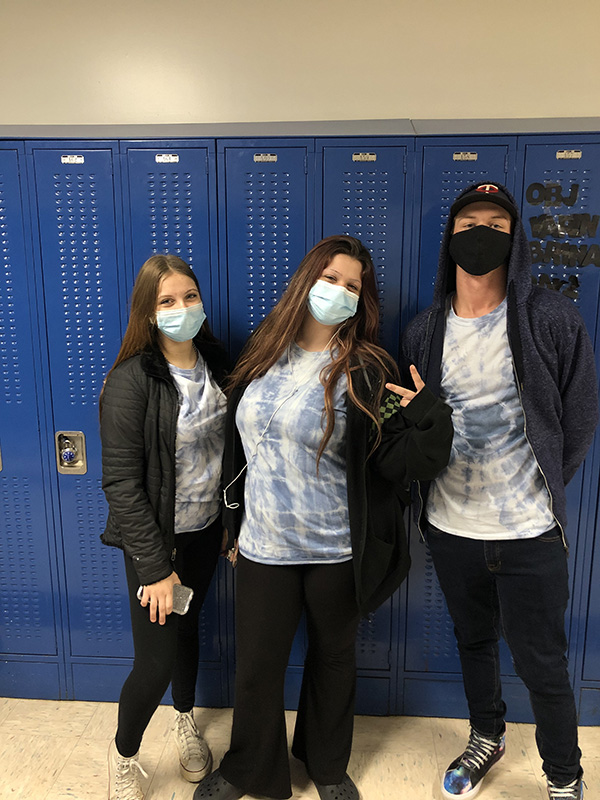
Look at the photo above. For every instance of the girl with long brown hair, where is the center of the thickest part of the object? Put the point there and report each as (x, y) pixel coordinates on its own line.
(320, 449)
(162, 429)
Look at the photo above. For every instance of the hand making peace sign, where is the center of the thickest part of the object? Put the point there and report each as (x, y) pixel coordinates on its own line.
(406, 394)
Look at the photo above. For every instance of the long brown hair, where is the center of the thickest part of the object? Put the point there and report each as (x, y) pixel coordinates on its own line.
(142, 332)
(355, 347)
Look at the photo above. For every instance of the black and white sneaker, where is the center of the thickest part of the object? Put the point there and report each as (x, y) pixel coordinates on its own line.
(464, 775)
(572, 791)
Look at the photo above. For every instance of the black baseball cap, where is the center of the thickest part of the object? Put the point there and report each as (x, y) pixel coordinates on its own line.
(485, 193)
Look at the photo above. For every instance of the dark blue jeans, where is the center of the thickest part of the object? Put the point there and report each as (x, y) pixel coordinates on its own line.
(517, 588)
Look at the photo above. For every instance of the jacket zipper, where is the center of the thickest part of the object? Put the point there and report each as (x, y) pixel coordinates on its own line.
(519, 392)
(174, 419)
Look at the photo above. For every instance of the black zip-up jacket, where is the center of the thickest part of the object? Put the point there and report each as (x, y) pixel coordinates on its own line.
(553, 364)
(415, 444)
(138, 428)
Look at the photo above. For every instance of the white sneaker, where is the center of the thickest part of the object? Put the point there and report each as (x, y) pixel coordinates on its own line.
(195, 758)
(124, 776)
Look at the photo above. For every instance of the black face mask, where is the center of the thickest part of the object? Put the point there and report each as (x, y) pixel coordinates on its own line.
(481, 249)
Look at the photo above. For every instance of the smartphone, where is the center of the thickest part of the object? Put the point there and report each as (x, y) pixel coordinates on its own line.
(182, 597)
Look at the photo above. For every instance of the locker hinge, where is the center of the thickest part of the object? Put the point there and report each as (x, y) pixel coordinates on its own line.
(506, 164)
(389, 658)
(405, 162)
(306, 165)
(206, 163)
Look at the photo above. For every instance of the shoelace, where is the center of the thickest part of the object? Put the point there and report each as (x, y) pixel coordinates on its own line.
(126, 781)
(569, 792)
(189, 736)
(478, 751)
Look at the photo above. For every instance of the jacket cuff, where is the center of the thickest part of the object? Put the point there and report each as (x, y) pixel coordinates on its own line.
(420, 405)
(151, 573)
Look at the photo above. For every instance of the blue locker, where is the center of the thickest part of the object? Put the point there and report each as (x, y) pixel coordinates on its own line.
(561, 211)
(79, 264)
(361, 192)
(560, 192)
(265, 218)
(363, 185)
(447, 169)
(29, 643)
(265, 225)
(560, 201)
(170, 208)
(170, 203)
(591, 614)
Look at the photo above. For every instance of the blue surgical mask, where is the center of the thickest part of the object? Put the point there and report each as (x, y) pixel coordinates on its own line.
(331, 304)
(181, 324)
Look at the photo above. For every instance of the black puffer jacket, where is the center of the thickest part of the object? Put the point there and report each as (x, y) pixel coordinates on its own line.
(138, 427)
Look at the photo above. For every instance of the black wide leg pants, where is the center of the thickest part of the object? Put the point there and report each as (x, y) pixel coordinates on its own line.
(269, 604)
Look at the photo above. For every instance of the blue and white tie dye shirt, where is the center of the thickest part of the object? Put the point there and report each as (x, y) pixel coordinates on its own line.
(199, 447)
(292, 515)
(492, 487)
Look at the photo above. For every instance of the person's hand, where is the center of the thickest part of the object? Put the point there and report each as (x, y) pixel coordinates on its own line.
(159, 596)
(406, 394)
(232, 555)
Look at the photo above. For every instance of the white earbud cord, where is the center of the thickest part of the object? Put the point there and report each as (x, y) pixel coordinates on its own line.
(266, 428)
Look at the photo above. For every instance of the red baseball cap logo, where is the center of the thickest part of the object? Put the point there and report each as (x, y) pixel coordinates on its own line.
(487, 188)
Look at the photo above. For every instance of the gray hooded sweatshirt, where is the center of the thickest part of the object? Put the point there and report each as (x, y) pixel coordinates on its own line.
(553, 364)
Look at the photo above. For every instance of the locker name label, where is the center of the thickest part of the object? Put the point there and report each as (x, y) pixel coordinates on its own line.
(364, 156)
(72, 160)
(464, 156)
(568, 154)
(166, 158)
(265, 158)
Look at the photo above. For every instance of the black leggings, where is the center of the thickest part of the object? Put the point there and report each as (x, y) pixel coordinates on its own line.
(166, 653)
(269, 603)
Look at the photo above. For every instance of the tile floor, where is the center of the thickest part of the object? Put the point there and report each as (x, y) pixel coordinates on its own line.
(57, 751)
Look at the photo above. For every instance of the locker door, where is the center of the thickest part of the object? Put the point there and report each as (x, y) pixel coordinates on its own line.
(170, 209)
(28, 599)
(561, 212)
(447, 170)
(363, 188)
(264, 216)
(591, 646)
(362, 194)
(432, 678)
(80, 268)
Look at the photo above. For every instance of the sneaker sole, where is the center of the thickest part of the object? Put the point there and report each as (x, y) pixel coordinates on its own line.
(195, 776)
(472, 793)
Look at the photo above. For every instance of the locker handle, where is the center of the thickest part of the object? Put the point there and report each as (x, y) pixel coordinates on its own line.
(70, 452)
